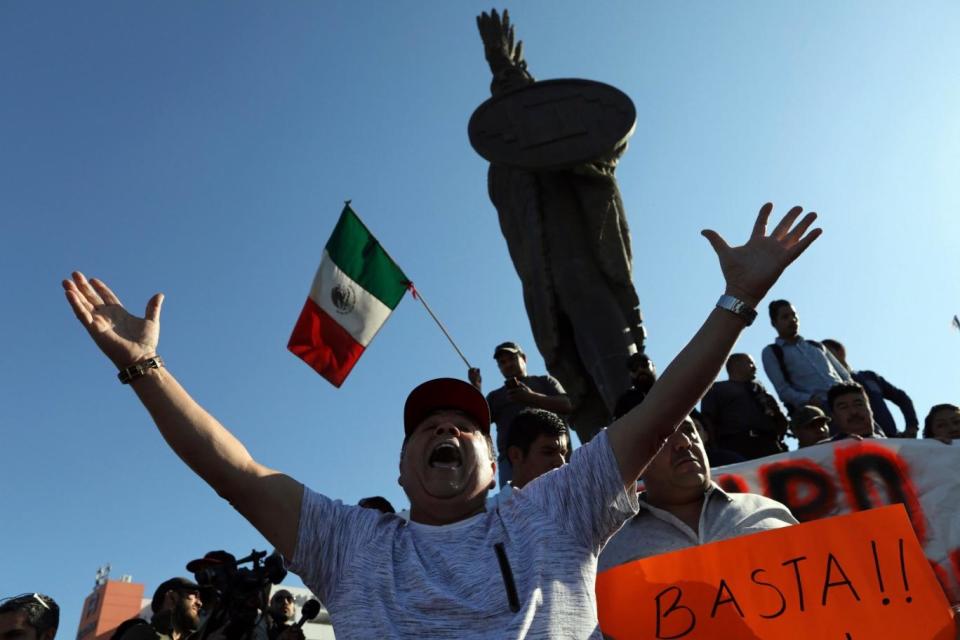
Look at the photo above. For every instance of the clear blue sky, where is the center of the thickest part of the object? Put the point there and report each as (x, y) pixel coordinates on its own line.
(204, 150)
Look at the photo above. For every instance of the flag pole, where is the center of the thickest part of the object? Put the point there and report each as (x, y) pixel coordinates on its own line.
(416, 295)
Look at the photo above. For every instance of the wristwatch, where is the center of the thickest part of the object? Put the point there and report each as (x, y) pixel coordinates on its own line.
(139, 369)
(737, 307)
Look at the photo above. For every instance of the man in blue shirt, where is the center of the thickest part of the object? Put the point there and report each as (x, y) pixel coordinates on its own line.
(802, 371)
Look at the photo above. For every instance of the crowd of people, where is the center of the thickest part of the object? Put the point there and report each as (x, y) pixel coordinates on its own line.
(522, 563)
(223, 602)
(823, 399)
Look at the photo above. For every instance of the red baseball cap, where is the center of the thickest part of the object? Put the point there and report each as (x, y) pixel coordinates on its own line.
(445, 393)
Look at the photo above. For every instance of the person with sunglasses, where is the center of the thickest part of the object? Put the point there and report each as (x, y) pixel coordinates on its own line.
(29, 616)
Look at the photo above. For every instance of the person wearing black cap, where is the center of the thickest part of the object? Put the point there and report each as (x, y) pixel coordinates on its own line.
(809, 426)
(175, 605)
(519, 392)
(526, 568)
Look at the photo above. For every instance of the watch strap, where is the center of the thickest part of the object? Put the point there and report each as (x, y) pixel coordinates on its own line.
(139, 369)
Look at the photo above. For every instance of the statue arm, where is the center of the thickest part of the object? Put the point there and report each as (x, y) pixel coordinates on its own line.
(503, 52)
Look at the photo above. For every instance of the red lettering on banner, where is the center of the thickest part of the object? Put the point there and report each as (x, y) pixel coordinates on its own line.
(804, 486)
(733, 483)
(860, 465)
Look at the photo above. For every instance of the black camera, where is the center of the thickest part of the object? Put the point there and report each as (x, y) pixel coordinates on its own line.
(235, 596)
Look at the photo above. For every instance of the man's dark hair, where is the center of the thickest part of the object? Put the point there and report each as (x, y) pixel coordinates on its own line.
(833, 345)
(774, 308)
(43, 613)
(733, 357)
(842, 389)
(530, 424)
(379, 503)
(928, 421)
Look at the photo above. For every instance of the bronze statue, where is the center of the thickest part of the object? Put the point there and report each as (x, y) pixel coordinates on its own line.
(553, 147)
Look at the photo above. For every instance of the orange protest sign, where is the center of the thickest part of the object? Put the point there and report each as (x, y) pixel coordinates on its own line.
(861, 576)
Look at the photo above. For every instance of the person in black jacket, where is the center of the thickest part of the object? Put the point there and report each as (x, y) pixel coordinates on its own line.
(878, 390)
(744, 417)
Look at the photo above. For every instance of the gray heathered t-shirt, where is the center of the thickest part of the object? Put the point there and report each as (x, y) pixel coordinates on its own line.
(383, 577)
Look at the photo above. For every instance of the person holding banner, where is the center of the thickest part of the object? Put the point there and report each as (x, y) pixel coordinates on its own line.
(527, 568)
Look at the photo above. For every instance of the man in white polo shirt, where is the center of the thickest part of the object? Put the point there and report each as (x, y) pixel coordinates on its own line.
(681, 507)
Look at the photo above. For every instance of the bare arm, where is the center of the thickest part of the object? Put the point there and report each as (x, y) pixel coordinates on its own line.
(268, 499)
(749, 270)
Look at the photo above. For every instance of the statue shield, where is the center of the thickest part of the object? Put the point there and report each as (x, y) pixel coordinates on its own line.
(553, 124)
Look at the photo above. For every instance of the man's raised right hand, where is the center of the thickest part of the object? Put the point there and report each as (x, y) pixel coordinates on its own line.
(124, 338)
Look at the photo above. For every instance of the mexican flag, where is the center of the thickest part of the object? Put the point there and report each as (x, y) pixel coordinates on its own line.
(356, 287)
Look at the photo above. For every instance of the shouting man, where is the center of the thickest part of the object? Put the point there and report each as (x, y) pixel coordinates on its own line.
(523, 569)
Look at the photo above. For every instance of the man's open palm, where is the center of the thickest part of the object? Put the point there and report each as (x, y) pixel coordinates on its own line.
(124, 338)
(751, 269)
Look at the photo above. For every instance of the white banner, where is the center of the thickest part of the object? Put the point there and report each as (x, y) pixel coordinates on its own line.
(831, 479)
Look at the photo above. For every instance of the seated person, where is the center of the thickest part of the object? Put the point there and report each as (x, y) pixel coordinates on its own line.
(942, 423)
(681, 507)
(852, 416)
(809, 426)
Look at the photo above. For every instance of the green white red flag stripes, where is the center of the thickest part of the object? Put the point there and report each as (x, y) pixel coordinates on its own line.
(356, 288)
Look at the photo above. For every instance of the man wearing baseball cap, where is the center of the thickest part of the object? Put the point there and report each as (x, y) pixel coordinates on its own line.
(525, 569)
(519, 392)
(809, 426)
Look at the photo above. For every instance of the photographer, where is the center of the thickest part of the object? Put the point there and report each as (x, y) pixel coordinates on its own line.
(176, 608)
(237, 607)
